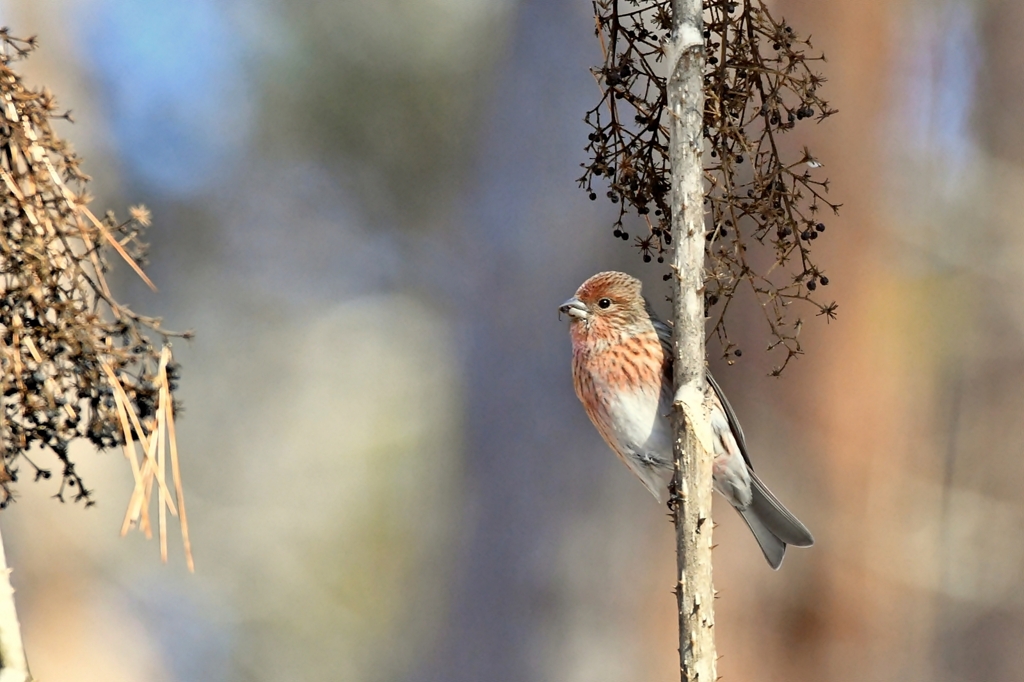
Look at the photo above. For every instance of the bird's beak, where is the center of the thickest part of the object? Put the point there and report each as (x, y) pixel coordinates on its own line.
(574, 307)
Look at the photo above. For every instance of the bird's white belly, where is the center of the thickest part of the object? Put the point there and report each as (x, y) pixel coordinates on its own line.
(640, 425)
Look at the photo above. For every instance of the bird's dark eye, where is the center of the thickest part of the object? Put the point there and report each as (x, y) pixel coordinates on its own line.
(604, 303)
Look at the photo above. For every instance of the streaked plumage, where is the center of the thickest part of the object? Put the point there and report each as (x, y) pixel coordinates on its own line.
(622, 372)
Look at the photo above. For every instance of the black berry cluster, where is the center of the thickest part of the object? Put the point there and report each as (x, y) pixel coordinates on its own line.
(758, 84)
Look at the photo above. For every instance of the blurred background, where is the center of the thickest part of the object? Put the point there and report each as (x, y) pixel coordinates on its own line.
(368, 211)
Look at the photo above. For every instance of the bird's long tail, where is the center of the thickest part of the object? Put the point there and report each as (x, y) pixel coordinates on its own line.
(772, 524)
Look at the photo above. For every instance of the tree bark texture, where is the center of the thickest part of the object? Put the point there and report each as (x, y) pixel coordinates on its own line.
(13, 664)
(692, 504)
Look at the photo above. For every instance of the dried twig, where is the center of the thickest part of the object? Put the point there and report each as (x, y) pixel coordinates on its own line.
(76, 363)
(759, 82)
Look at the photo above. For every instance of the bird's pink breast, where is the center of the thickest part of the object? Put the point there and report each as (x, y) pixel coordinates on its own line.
(621, 386)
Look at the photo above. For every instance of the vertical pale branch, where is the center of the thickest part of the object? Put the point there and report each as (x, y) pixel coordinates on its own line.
(13, 664)
(692, 480)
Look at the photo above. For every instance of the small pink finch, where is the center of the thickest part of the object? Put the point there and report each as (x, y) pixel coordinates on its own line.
(622, 371)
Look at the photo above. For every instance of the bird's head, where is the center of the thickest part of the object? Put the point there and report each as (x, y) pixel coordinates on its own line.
(607, 305)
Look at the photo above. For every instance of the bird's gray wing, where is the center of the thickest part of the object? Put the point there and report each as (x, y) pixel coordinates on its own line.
(730, 415)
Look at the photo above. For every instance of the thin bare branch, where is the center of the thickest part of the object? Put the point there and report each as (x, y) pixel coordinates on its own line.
(759, 82)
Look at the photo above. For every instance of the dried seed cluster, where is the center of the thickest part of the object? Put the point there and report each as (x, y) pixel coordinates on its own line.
(74, 360)
(759, 84)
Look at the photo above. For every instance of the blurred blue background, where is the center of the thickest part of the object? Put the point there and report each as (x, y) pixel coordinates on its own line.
(368, 211)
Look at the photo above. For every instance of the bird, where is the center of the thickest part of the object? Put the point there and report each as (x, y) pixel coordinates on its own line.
(622, 373)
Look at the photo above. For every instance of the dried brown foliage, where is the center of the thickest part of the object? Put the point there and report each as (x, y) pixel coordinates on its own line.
(759, 83)
(76, 363)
